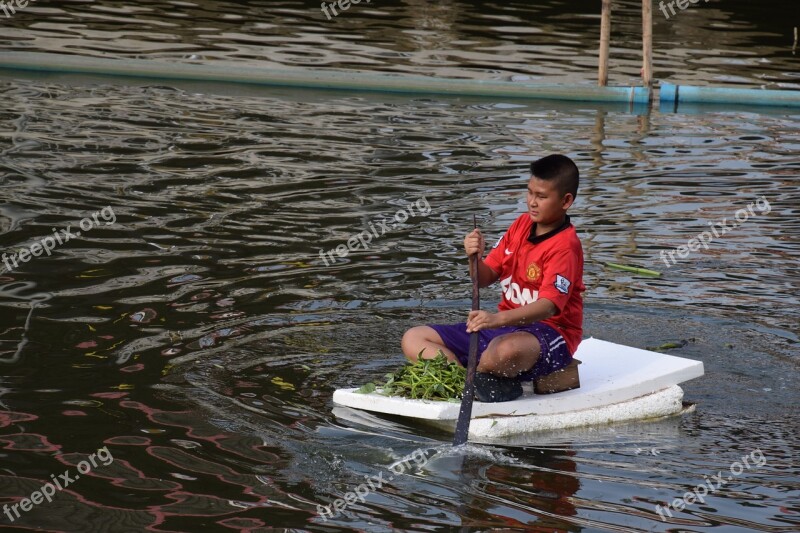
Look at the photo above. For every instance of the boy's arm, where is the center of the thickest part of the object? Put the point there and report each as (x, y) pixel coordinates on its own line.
(539, 310)
(474, 244)
(486, 276)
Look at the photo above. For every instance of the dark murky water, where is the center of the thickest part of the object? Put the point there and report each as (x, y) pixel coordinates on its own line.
(194, 331)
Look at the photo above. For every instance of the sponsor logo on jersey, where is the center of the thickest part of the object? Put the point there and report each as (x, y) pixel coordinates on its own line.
(533, 272)
(562, 284)
(516, 295)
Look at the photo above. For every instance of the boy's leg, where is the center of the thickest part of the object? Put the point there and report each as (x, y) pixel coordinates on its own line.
(511, 354)
(424, 338)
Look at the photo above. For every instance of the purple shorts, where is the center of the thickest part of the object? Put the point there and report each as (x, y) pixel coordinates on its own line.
(554, 356)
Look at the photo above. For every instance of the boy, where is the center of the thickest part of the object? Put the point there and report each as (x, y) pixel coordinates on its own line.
(539, 322)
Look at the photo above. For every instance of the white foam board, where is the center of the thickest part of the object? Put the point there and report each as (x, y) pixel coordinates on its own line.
(662, 403)
(610, 374)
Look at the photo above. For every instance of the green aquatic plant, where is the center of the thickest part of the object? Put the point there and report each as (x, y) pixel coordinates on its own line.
(637, 270)
(426, 379)
(667, 346)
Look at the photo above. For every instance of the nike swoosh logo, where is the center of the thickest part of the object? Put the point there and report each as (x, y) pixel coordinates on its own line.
(508, 252)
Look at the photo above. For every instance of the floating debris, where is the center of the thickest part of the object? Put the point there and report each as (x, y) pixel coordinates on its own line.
(637, 270)
(144, 316)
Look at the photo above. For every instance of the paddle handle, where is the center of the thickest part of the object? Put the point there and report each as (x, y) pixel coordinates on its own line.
(465, 414)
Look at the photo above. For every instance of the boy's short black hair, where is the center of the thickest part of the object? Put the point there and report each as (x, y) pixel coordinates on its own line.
(558, 168)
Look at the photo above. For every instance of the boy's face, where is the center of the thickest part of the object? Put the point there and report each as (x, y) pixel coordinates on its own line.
(546, 205)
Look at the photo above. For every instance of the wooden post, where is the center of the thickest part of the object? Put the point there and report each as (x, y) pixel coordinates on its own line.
(605, 39)
(647, 42)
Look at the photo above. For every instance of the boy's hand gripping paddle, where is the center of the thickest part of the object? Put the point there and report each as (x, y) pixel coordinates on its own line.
(465, 414)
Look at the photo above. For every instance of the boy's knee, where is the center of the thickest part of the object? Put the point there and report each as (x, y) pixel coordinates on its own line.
(413, 341)
(496, 357)
(411, 334)
(507, 350)
(508, 356)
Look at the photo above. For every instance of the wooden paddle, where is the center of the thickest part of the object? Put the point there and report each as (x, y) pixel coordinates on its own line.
(465, 414)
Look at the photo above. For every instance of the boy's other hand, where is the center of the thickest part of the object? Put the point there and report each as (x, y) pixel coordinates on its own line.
(474, 244)
(479, 320)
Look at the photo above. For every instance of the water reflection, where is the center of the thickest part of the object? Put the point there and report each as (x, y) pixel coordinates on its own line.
(735, 42)
(538, 497)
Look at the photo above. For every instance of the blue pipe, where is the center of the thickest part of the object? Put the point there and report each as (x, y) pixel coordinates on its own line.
(318, 79)
(673, 95)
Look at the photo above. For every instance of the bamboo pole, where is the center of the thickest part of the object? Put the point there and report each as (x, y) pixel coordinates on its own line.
(605, 39)
(647, 43)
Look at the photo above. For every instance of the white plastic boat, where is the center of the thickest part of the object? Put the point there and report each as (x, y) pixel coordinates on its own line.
(618, 383)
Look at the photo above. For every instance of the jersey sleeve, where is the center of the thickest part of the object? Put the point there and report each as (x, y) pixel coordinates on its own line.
(497, 254)
(495, 258)
(561, 276)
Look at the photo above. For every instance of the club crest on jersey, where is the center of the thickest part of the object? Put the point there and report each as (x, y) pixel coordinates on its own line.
(533, 272)
(562, 284)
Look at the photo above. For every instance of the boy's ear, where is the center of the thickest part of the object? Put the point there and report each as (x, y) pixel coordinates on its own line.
(567, 200)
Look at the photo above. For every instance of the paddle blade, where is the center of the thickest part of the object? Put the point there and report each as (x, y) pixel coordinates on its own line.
(465, 414)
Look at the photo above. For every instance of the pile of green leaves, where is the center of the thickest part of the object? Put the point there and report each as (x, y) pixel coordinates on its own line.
(427, 379)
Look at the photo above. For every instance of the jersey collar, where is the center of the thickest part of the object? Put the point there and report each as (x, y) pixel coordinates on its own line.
(533, 239)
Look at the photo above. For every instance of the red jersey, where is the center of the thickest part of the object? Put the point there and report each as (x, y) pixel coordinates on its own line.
(548, 266)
